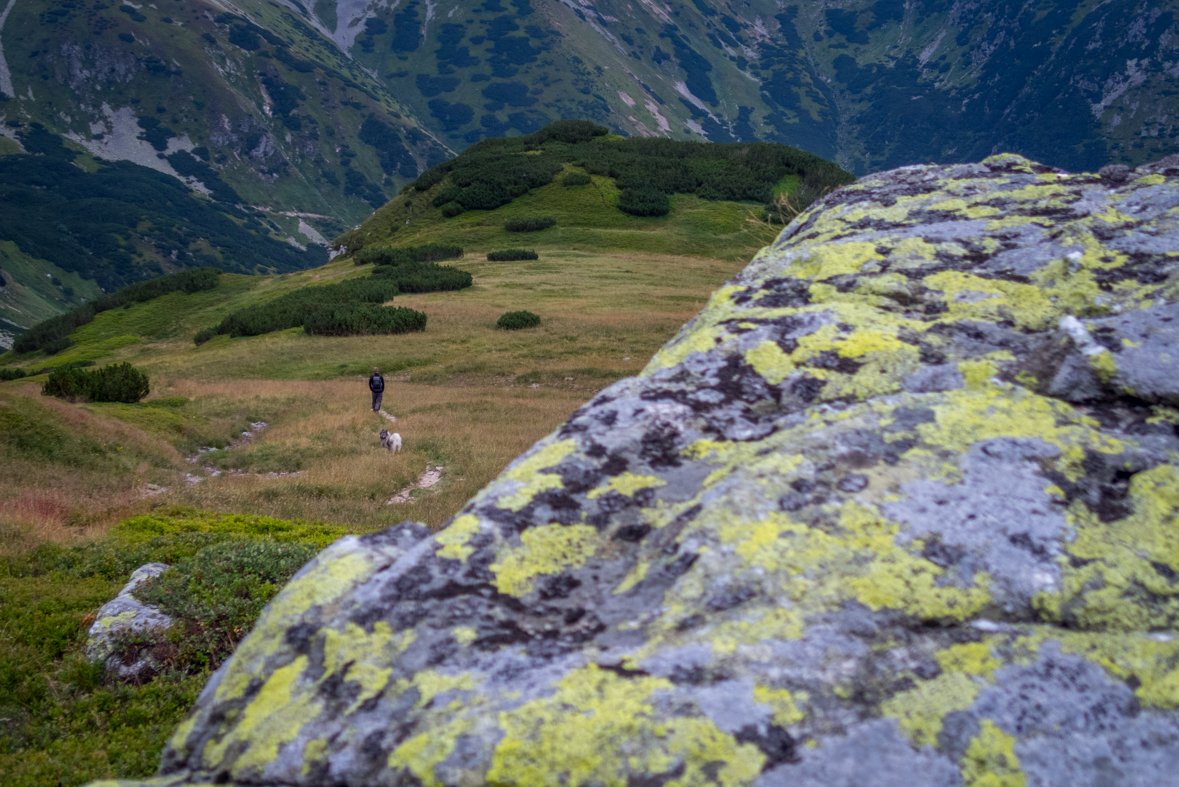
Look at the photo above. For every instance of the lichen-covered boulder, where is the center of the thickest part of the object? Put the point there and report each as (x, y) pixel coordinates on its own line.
(899, 507)
(125, 614)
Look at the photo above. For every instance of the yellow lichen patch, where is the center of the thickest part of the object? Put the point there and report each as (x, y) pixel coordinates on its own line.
(969, 416)
(1119, 583)
(898, 580)
(1104, 366)
(1150, 180)
(990, 760)
(976, 374)
(598, 728)
(627, 484)
(633, 577)
(994, 300)
(333, 576)
(546, 457)
(860, 343)
(272, 718)
(781, 703)
(463, 635)
(768, 360)
(548, 549)
(1011, 161)
(355, 653)
(455, 537)
(533, 481)
(833, 259)
(1151, 659)
(430, 684)
(919, 712)
(422, 753)
(313, 752)
(973, 658)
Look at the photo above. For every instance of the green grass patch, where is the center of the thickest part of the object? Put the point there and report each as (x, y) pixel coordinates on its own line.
(64, 721)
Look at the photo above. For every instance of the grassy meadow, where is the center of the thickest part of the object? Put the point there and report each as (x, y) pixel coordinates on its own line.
(90, 491)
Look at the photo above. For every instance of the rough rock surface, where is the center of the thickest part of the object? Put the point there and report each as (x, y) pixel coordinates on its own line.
(899, 507)
(125, 613)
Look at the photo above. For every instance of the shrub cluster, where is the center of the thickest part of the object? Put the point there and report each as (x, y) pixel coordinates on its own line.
(363, 320)
(16, 373)
(508, 255)
(576, 179)
(424, 277)
(49, 334)
(644, 202)
(514, 321)
(529, 223)
(214, 597)
(290, 310)
(386, 255)
(204, 336)
(117, 383)
(495, 171)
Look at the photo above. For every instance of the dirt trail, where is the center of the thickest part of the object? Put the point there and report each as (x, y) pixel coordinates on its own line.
(431, 476)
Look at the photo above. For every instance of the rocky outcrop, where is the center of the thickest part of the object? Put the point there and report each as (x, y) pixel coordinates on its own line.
(899, 507)
(125, 614)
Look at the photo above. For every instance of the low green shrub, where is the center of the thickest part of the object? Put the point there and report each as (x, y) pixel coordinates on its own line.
(7, 375)
(430, 178)
(448, 194)
(452, 209)
(56, 346)
(644, 202)
(576, 179)
(214, 597)
(363, 321)
(290, 310)
(385, 255)
(426, 277)
(529, 223)
(509, 255)
(41, 335)
(116, 383)
(514, 321)
(204, 336)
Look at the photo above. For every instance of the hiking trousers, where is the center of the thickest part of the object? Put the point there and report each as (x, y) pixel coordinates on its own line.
(377, 395)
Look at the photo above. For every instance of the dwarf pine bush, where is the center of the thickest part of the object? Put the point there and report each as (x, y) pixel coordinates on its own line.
(358, 320)
(529, 223)
(290, 310)
(116, 383)
(576, 179)
(644, 202)
(508, 255)
(514, 321)
(385, 255)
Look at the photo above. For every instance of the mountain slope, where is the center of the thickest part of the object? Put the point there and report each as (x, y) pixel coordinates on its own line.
(265, 103)
(329, 107)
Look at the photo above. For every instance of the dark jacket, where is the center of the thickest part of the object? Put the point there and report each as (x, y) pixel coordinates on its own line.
(376, 383)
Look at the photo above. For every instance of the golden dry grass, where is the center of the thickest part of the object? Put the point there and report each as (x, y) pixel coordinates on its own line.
(467, 396)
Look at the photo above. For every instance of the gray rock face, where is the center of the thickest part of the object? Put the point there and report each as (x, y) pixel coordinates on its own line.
(125, 613)
(886, 512)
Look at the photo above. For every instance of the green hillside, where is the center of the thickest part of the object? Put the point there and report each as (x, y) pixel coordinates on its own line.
(603, 193)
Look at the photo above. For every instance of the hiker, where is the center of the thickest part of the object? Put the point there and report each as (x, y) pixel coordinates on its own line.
(376, 384)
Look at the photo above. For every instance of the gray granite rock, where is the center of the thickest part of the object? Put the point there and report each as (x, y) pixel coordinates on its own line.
(125, 614)
(899, 507)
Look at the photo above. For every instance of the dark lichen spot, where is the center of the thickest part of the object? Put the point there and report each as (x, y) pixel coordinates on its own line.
(775, 743)
(632, 532)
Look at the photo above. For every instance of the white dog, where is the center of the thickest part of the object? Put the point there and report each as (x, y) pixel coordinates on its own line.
(391, 441)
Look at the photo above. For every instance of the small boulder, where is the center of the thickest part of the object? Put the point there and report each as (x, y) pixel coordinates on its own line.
(125, 613)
